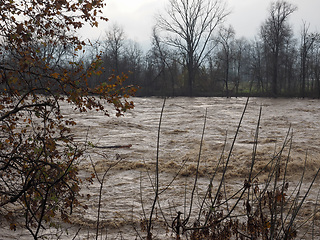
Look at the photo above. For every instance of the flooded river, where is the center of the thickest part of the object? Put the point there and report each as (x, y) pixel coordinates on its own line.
(127, 193)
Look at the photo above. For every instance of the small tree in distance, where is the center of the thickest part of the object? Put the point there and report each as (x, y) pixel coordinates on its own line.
(39, 68)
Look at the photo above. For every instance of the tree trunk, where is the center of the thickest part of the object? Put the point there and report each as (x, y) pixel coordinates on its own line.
(275, 76)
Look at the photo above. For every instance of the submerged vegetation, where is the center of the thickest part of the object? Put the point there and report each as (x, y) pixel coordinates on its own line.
(258, 210)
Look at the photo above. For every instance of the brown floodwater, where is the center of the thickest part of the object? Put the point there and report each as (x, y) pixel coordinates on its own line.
(128, 191)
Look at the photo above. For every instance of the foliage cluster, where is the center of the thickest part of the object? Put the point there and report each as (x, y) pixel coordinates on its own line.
(39, 68)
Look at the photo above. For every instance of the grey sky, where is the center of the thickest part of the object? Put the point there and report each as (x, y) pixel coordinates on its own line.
(247, 15)
(138, 17)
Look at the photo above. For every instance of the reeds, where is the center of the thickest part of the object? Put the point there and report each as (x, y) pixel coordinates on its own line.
(257, 210)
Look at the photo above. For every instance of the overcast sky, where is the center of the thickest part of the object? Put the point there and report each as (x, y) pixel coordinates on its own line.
(137, 17)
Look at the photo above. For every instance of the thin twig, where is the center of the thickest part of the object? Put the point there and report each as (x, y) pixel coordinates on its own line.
(227, 161)
(156, 175)
(197, 171)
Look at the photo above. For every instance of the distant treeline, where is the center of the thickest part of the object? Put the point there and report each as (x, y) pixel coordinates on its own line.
(274, 63)
(206, 62)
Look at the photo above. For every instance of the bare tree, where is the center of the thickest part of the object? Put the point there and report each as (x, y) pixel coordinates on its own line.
(114, 44)
(307, 40)
(242, 59)
(132, 61)
(226, 40)
(190, 25)
(275, 32)
(167, 64)
(257, 67)
(316, 62)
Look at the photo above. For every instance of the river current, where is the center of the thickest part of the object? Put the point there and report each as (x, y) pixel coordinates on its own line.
(188, 124)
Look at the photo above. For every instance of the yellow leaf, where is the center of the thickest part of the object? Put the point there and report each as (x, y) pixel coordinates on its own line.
(267, 225)
(13, 226)
(55, 75)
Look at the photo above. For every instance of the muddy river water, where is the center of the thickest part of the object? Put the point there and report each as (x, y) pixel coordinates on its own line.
(127, 192)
